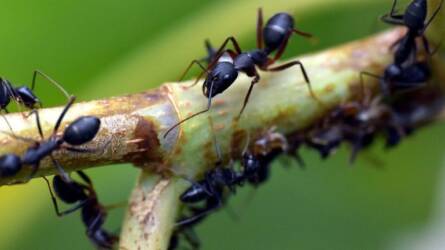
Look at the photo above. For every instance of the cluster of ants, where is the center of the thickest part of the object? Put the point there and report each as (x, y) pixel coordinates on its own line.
(403, 105)
(81, 131)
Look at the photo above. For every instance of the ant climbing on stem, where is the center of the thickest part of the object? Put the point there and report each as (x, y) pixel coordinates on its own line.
(222, 71)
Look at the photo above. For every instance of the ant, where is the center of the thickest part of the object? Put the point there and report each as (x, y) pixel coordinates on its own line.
(406, 72)
(414, 19)
(23, 94)
(93, 213)
(222, 72)
(79, 132)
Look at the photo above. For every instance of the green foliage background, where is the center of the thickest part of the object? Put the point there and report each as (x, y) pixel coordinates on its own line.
(101, 48)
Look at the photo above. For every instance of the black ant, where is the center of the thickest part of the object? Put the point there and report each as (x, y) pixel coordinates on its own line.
(221, 74)
(23, 94)
(93, 213)
(79, 132)
(406, 72)
(414, 19)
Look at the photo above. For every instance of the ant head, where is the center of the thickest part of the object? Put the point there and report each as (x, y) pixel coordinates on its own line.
(219, 79)
(415, 15)
(10, 164)
(26, 96)
(82, 130)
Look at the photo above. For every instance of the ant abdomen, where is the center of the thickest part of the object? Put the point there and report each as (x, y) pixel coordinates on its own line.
(416, 15)
(276, 30)
(82, 130)
(10, 164)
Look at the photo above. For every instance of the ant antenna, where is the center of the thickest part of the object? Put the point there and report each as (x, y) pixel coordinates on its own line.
(434, 15)
(215, 143)
(38, 72)
(209, 104)
(7, 122)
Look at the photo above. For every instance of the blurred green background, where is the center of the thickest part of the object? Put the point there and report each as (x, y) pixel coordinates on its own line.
(100, 48)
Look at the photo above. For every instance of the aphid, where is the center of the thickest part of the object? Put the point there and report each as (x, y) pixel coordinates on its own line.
(325, 139)
(23, 94)
(221, 74)
(361, 121)
(256, 163)
(92, 211)
(79, 132)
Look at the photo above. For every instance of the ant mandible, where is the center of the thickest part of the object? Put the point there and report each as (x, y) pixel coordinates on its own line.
(93, 213)
(221, 74)
(79, 132)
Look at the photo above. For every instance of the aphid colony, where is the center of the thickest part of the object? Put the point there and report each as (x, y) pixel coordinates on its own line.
(395, 113)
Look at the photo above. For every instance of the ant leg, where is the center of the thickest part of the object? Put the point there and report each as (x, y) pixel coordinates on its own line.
(393, 19)
(224, 44)
(65, 176)
(427, 48)
(192, 238)
(259, 29)
(302, 33)
(303, 71)
(87, 150)
(366, 95)
(201, 213)
(56, 206)
(383, 85)
(7, 122)
(246, 98)
(39, 126)
(187, 70)
(17, 137)
(84, 177)
(38, 72)
(59, 120)
(433, 16)
(209, 104)
(34, 169)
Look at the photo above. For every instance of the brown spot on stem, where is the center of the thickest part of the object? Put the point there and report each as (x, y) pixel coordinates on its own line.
(237, 143)
(147, 146)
